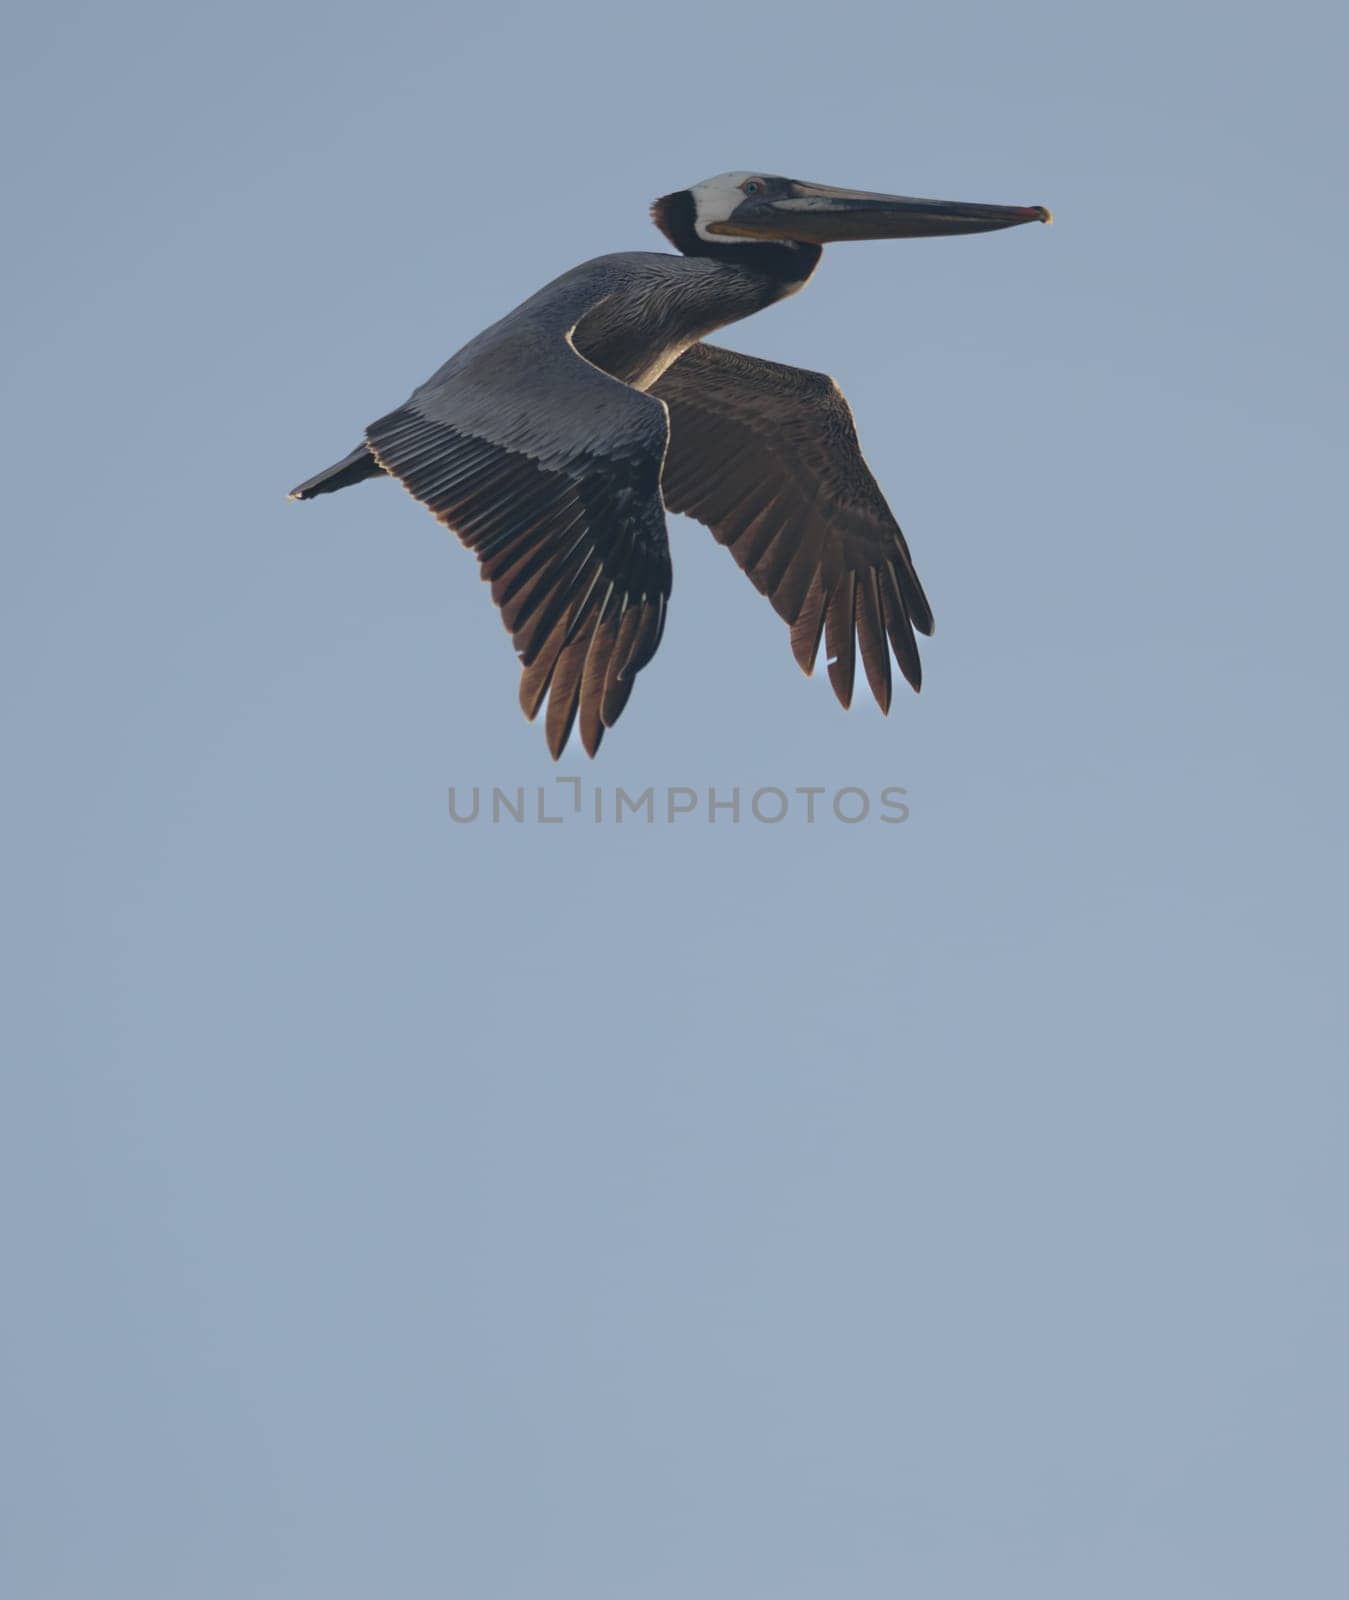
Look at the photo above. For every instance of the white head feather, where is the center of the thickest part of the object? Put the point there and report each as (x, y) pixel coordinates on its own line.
(714, 199)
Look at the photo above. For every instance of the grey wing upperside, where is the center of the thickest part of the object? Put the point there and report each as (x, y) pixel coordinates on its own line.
(767, 457)
(549, 471)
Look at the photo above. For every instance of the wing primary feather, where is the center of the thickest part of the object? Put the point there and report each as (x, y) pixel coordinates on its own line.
(788, 598)
(564, 693)
(617, 685)
(809, 625)
(550, 527)
(647, 637)
(593, 673)
(840, 639)
(555, 612)
(539, 558)
(871, 636)
(916, 606)
(897, 626)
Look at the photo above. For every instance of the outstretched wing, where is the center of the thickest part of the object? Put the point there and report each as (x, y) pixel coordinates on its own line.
(767, 456)
(549, 471)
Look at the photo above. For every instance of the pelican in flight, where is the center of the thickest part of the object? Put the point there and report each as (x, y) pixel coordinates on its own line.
(554, 443)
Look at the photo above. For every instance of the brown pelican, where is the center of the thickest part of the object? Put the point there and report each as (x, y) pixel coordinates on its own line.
(554, 443)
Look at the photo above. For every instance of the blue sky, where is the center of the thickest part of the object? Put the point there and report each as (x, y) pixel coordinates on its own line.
(953, 1208)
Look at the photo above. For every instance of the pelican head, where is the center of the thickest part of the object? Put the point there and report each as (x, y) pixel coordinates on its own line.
(755, 207)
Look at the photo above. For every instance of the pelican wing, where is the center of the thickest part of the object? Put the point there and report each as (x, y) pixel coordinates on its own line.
(767, 456)
(549, 471)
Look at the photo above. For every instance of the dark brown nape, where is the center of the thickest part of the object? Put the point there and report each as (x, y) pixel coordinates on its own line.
(673, 215)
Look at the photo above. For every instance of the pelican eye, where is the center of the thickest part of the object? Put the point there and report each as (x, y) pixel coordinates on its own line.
(752, 186)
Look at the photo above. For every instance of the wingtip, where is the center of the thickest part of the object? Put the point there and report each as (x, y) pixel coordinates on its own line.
(842, 687)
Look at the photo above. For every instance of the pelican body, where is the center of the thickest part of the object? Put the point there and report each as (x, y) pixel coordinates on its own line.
(555, 441)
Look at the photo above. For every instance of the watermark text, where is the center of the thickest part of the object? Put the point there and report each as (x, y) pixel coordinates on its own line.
(572, 800)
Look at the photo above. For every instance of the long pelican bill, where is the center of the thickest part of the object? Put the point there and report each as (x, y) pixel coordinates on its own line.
(814, 213)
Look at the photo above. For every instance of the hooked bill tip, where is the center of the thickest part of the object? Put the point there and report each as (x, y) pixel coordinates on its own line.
(1046, 215)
